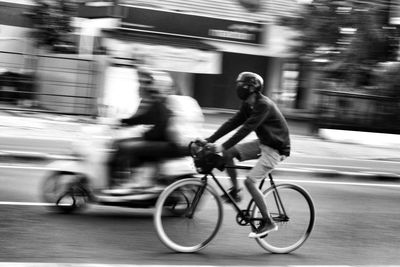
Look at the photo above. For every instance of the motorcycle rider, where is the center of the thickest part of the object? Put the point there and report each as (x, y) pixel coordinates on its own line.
(156, 143)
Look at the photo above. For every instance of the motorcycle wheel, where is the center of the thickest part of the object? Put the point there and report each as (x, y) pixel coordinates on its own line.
(64, 193)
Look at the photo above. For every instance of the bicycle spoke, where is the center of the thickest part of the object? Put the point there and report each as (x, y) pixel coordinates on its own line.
(184, 224)
(295, 218)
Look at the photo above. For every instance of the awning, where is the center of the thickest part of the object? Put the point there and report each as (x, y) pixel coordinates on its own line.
(165, 52)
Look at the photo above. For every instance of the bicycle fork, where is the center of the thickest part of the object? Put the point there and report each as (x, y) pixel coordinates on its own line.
(196, 199)
(279, 216)
(282, 215)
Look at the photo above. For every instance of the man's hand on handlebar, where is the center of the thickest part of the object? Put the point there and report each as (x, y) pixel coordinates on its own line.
(209, 146)
(200, 142)
(214, 147)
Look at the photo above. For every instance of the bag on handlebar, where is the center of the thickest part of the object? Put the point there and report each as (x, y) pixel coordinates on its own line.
(205, 161)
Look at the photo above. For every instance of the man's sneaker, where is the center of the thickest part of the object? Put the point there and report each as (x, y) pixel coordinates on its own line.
(264, 229)
(234, 194)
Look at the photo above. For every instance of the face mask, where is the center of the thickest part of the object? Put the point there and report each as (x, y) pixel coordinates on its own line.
(243, 91)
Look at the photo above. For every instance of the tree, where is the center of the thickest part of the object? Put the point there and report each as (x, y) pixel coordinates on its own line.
(350, 36)
(52, 24)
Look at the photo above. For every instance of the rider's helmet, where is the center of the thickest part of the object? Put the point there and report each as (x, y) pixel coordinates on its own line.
(155, 83)
(248, 83)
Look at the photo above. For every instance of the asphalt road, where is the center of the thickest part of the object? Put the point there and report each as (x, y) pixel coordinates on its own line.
(357, 224)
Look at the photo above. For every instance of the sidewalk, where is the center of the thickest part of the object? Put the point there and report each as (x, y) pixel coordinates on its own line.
(23, 135)
(379, 140)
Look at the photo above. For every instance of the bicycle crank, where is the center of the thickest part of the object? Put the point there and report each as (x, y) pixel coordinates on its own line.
(243, 217)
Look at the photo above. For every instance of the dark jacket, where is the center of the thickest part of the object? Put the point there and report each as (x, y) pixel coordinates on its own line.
(264, 118)
(156, 114)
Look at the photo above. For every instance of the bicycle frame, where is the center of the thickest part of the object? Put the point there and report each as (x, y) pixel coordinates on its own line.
(243, 214)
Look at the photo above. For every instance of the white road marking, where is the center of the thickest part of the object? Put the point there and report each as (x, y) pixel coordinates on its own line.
(325, 182)
(324, 165)
(352, 159)
(303, 170)
(340, 183)
(24, 167)
(16, 203)
(294, 170)
(46, 264)
(46, 138)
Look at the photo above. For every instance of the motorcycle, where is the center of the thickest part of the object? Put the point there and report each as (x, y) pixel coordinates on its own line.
(71, 184)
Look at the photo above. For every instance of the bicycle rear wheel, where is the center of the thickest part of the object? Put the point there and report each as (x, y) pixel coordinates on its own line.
(188, 215)
(293, 210)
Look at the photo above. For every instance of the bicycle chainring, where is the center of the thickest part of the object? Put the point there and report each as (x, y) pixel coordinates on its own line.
(243, 217)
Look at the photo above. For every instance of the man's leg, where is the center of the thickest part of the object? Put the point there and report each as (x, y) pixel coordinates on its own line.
(132, 153)
(258, 198)
(142, 151)
(148, 154)
(119, 157)
(229, 155)
(114, 162)
(243, 151)
(265, 164)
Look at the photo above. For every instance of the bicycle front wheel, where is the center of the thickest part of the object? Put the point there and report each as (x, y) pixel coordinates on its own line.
(188, 215)
(292, 208)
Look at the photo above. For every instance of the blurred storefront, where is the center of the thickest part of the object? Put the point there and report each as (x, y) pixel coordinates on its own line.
(204, 45)
(36, 79)
(204, 53)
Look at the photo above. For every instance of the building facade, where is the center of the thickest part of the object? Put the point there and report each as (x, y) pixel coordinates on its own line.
(207, 44)
(203, 44)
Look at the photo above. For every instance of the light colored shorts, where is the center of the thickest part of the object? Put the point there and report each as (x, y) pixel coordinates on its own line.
(268, 158)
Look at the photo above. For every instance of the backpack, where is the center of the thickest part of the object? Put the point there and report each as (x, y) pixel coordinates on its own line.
(186, 121)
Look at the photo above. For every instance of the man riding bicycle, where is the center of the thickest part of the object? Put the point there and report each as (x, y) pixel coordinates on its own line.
(260, 114)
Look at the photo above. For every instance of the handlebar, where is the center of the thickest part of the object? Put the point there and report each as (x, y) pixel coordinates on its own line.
(201, 146)
(204, 158)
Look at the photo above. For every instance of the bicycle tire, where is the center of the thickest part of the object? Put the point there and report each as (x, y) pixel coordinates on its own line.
(293, 231)
(176, 230)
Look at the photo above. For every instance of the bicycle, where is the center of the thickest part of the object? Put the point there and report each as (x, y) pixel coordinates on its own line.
(194, 202)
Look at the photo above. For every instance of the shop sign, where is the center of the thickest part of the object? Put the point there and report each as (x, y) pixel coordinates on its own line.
(167, 57)
(174, 23)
